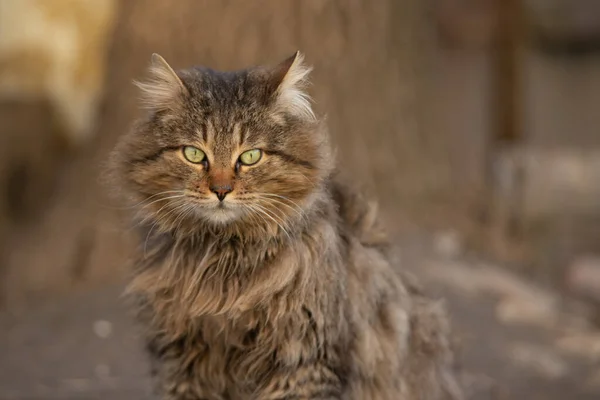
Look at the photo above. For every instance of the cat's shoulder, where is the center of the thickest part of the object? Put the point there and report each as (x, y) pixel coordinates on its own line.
(358, 214)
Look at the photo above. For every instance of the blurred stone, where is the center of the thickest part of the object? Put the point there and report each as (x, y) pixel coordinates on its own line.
(519, 302)
(530, 311)
(448, 244)
(583, 344)
(491, 280)
(583, 277)
(540, 359)
(558, 180)
(103, 329)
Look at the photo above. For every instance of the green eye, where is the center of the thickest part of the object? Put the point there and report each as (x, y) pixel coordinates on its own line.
(193, 154)
(250, 157)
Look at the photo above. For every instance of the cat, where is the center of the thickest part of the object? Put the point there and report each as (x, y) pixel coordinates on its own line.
(260, 274)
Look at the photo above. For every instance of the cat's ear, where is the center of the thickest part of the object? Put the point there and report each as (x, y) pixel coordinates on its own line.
(163, 89)
(288, 81)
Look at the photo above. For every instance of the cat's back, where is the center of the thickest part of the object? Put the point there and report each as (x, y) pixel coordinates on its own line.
(406, 330)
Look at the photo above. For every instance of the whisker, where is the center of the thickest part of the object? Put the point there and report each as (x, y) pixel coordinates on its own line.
(258, 212)
(183, 215)
(300, 212)
(150, 198)
(307, 179)
(157, 213)
(251, 207)
(153, 214)
(281, 197)
(160, 219)
(162, 199)
(267, 214)
(251, 215)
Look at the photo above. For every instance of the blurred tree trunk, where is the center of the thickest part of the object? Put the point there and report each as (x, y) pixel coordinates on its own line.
(504, 174)
(366, 59)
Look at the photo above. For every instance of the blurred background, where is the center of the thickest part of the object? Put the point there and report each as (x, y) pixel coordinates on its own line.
(475, 123)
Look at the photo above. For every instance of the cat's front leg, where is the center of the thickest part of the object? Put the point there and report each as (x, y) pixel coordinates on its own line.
(174, 375)
(171, 384)
(308, 382)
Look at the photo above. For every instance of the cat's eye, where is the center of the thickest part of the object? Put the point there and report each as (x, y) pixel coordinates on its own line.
(193, 154)
(250, 157)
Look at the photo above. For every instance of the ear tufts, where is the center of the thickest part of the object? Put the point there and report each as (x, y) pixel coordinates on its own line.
(164, 89)
(290, 78)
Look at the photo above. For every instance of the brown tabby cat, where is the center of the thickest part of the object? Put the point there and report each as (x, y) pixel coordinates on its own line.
(259, 275)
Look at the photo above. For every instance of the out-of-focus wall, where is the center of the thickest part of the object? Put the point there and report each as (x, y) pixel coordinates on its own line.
(366, 56)
(56, 51)
(52, 66)
(546, 189)
(411, 113)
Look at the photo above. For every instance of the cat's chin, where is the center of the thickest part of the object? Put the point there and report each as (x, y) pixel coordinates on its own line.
(222, 215)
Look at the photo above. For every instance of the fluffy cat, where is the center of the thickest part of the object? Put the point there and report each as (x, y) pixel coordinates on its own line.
(259, 274)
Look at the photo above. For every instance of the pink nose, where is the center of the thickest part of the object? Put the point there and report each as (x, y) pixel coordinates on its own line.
(221, 190)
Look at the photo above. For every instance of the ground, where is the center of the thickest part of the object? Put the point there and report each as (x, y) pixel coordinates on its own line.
(516, 341)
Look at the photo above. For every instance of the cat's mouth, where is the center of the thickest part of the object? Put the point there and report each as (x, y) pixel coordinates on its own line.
(218, 212)
(222, 212)
(223, 215)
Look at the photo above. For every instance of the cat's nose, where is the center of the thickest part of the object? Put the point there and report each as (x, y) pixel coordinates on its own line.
(221, 191)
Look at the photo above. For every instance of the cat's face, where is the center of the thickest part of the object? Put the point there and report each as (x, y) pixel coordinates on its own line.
(226, 148)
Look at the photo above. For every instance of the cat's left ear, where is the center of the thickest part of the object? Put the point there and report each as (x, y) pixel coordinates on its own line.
(288, 81)
(164, 89)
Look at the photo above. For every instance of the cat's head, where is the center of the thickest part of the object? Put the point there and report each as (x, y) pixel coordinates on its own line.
(225, 148)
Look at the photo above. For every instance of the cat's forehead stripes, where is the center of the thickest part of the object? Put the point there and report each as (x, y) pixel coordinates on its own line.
(223, 139)
(211, 131)
(202, 132)
(236, 134)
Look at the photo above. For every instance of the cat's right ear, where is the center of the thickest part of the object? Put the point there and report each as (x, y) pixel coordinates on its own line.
(163, 90)
(287, 82)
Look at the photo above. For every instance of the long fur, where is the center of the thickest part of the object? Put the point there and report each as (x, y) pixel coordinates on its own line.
(163, 89)
(292, 295)
(291, 95)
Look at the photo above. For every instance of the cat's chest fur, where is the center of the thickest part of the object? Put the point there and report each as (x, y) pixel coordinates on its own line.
(231, 359)
(229, 315)
(229, 355)
(199, 277)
